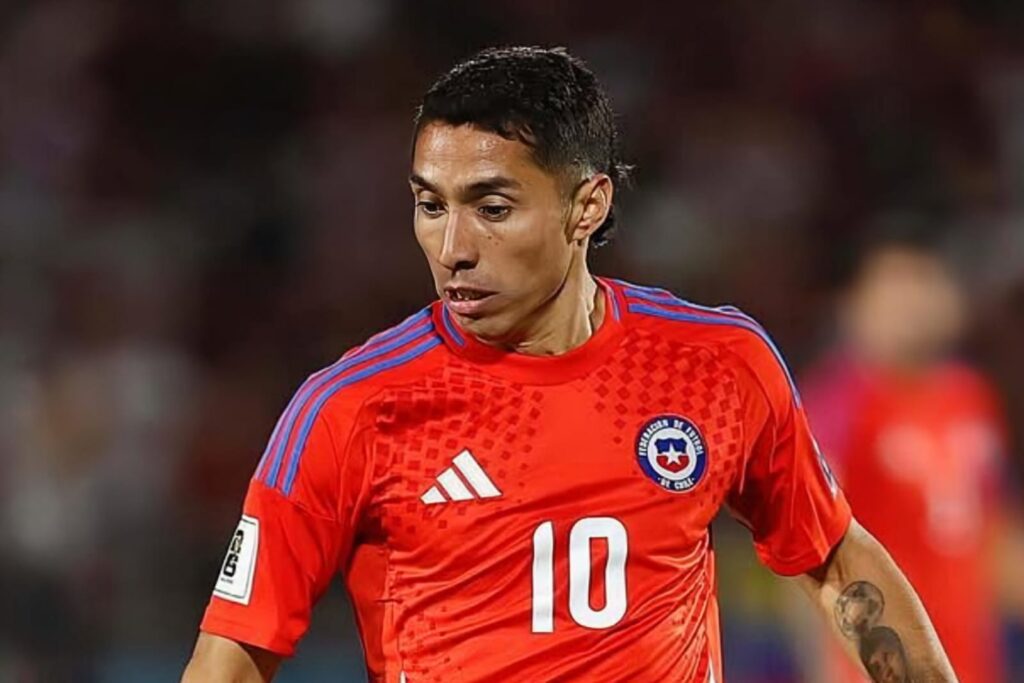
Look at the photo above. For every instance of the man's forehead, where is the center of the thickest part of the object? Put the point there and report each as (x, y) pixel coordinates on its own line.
(441, 139)
(458, 156)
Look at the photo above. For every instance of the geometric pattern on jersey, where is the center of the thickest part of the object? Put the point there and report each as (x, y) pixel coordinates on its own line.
(473, 482)
(421, 423)
(646, 372)
(446, 592)
(661, 303)
(667, 305)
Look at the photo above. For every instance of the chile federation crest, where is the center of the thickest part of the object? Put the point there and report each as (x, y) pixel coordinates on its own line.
(671, 452)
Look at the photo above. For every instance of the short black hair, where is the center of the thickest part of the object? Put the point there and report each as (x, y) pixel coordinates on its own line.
(914, 231)
(544, 97)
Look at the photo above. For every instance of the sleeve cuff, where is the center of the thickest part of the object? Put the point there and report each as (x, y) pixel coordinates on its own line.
(815, 556)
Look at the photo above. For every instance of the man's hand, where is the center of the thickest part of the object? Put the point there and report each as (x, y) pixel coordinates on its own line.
(876, 614)
(219, 660)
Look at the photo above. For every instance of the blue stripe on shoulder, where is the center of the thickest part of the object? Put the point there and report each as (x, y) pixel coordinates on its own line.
(378, 345)
(300, 443)
(615, 304)
(658, 296)
(273, 437)
(453, 331)
(644, 288)
(667, 298)
(729, 319)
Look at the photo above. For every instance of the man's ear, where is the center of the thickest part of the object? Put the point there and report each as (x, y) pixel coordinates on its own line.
(591, 204)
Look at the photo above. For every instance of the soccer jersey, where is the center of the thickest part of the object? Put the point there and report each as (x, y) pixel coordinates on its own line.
(920, 458)
(499, 516)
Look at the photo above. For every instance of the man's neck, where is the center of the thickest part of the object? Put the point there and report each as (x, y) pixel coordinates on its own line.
(568, 319)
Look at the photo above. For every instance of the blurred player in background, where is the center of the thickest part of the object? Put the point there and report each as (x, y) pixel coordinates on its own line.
(517, 482)
(919, 443)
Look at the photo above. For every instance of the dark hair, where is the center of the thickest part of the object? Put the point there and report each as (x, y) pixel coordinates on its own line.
(543, 97)
(903, 230)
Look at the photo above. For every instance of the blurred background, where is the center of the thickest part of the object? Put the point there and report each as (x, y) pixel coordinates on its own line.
(203, 201)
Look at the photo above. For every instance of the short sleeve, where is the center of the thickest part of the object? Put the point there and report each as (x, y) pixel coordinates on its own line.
(786, 493)
(298, 522)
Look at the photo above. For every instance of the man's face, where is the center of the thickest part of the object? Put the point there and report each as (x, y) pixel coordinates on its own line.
(494, 225)
(906, 307)
(887, 665)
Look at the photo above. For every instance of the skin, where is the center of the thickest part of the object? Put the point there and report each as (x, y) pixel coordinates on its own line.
(875, 613)
(220, 660)
(904, 311)
(884, 657)
(489, 218)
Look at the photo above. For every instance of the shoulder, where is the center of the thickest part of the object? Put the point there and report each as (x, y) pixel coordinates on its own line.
(737, 338)
(397, 355)
(325, 407)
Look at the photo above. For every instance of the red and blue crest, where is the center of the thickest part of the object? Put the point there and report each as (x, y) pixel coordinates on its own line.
(671, 452)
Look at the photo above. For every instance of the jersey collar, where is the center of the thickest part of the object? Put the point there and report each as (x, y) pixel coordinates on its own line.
(528, 369)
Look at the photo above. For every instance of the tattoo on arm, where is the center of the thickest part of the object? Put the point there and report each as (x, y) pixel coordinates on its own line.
(858, 611)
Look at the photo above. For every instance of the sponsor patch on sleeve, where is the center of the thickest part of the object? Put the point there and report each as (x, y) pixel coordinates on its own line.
(236, 574)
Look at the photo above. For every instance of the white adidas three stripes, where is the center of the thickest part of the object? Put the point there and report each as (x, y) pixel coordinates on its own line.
(474, 482)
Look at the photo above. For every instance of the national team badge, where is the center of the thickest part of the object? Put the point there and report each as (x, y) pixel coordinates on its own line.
(671, 452)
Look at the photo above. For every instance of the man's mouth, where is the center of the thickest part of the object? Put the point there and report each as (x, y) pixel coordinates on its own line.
(466, 301)
(462, 294)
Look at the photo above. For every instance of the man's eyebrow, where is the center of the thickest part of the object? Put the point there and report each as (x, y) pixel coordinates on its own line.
(493, 185)
(419, 180)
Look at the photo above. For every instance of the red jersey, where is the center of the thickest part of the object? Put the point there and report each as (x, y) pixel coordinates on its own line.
(498, 516)
(919, 458)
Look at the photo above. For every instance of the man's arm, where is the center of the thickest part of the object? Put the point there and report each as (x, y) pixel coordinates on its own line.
(876, 614)
(221, 660)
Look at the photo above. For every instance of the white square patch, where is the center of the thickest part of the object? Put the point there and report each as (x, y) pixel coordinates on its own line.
(236, 574)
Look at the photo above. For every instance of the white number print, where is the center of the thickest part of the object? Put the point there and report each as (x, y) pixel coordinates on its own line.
(580, 536)
(544, 578)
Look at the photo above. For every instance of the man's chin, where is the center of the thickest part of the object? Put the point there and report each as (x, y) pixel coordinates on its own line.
(490, 329)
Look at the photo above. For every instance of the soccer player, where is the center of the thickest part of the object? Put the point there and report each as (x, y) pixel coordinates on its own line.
(919, 441)
(516, 482)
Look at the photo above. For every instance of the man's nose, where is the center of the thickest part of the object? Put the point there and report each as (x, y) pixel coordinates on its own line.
(458, 250)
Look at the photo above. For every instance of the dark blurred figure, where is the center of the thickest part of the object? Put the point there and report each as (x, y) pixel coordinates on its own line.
(919, 441)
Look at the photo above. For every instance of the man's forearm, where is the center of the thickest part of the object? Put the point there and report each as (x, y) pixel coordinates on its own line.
(220, 660)
(876, 614)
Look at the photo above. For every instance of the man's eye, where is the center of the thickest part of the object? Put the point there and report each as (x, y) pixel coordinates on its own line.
(495, 211)
(429, 208)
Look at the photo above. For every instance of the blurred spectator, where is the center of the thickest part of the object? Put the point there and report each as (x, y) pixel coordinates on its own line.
(919, 442)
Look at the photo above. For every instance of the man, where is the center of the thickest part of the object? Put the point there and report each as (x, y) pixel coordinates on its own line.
(517, 481)
(919, 441)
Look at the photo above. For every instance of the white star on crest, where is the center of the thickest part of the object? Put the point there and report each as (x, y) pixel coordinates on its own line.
(674, 456)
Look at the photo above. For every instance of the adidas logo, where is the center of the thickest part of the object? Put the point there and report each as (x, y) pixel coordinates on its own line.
(474, 482)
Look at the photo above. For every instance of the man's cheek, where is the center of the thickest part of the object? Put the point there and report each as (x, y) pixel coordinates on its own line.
(430, 239)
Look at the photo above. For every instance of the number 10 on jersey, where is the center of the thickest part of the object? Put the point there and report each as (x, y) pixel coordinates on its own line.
(582, 532)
